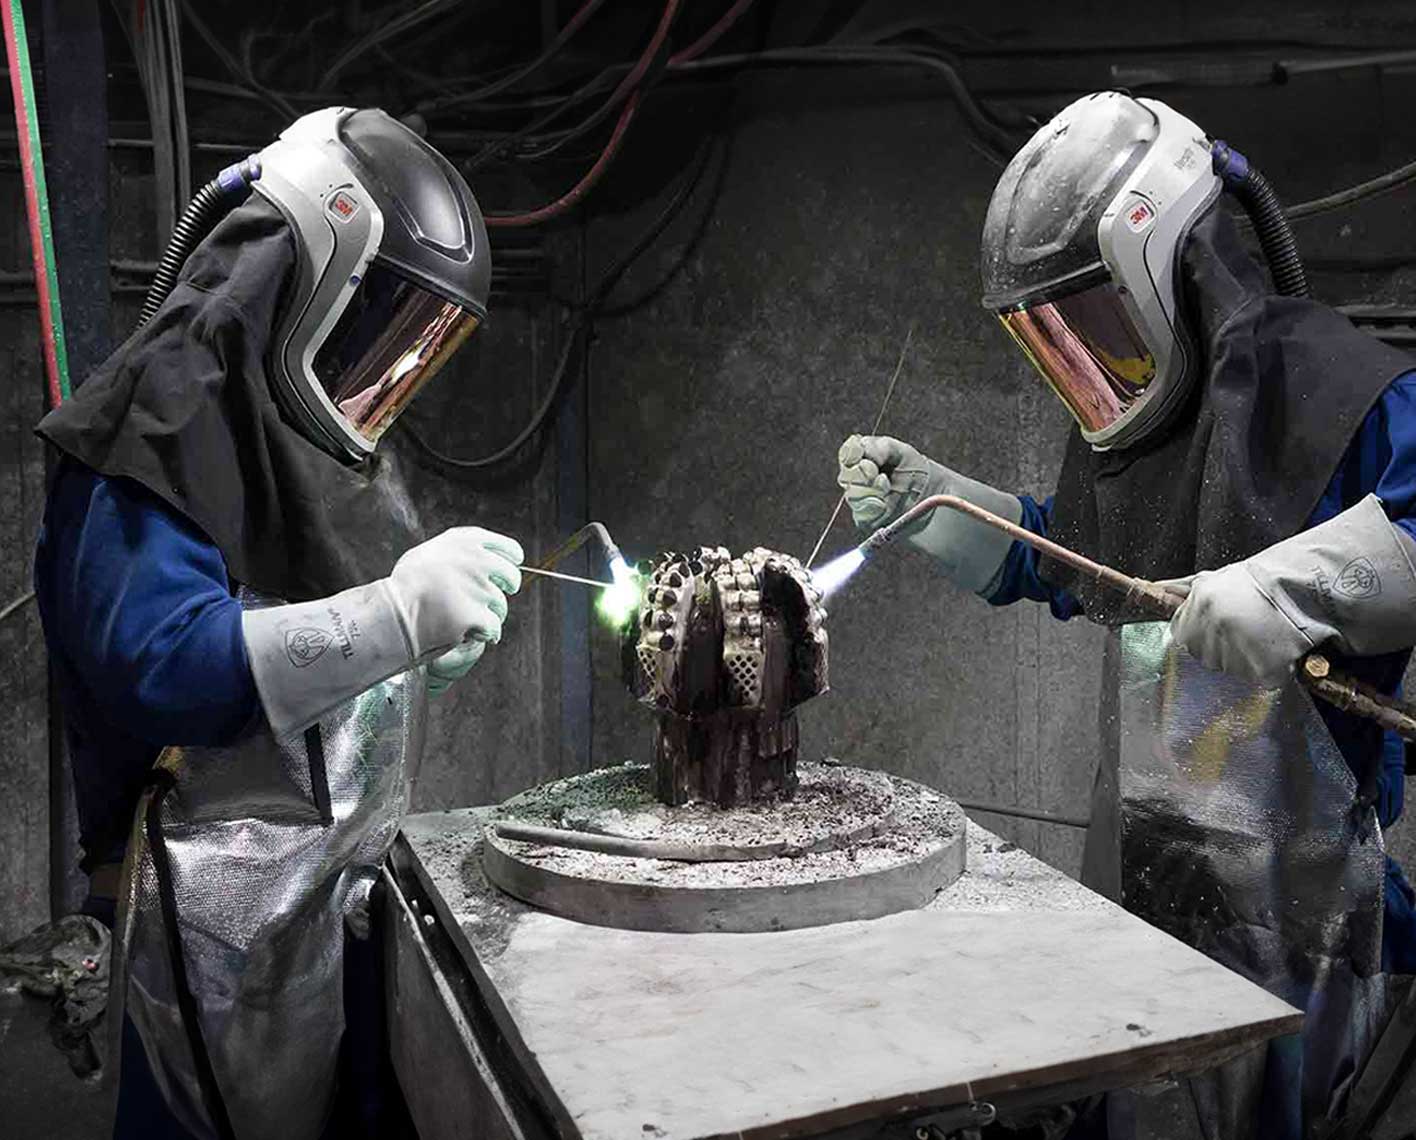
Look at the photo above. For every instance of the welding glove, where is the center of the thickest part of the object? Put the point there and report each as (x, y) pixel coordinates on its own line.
(883, 478)
(1347, 583)
(443, 603)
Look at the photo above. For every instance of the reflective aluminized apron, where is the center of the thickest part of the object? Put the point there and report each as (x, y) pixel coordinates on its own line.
(242, 866)
(1238, 834)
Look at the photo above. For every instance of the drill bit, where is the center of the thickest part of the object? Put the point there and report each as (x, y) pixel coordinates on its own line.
(875, 430)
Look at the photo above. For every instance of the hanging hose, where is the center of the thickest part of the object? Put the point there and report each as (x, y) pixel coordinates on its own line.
(46, 268)
(1260, 202)
(208, 206)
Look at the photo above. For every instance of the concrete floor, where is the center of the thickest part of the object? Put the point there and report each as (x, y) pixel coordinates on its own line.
(40, 1099)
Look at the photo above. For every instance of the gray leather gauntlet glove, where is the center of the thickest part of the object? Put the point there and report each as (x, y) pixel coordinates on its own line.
(883, 478)
(443, 594)
(1347, 583)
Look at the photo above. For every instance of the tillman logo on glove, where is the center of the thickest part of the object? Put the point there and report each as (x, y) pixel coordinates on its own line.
(305, 646)
(1358, 580)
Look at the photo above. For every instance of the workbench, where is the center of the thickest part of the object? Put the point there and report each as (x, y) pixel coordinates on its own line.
(1016, 987)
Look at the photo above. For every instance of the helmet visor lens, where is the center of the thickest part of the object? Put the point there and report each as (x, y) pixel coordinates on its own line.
(1088, 350)
(390, 341)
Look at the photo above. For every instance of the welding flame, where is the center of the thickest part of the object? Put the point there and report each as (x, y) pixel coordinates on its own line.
(621, 601)
(838, 571)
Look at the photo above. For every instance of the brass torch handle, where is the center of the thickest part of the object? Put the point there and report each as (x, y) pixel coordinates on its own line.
(1354, 696)
(1314, 672)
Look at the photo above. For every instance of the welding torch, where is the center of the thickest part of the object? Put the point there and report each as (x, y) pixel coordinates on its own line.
(1155, 602)
(619, 568)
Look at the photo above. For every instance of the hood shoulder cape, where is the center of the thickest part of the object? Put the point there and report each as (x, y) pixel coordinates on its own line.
(1285, 384)
(185, 408)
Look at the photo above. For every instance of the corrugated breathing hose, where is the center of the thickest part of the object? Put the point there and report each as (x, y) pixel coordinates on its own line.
(1261, 203)
(208, 206)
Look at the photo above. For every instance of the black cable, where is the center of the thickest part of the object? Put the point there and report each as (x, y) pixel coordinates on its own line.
(577, 327)
(160, 782)
(208, 206)
(1255, 193)
(479, 94)
(700, 231)
(576, 97)
(244, 76)
(968, 104)
(382, 34)
(988, 129)
(583, 314)
(652, 75)
(1372, 187)
(687, 185)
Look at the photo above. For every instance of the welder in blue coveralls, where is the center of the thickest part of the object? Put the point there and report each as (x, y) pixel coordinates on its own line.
(1231, 436)
(227, 567)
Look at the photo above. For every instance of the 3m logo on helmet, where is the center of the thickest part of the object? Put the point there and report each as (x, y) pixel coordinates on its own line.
(342, 206)
(1139, 214)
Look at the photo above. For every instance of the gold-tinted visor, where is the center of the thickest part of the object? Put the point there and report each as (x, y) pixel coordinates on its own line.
(390, 341)
(1088, 350)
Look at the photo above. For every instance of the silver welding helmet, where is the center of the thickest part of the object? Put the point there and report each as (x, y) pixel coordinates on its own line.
(1081, 248)
(392, 274)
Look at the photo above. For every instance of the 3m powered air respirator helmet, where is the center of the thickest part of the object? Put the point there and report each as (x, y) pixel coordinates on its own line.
(392, 268)
(1081, 250)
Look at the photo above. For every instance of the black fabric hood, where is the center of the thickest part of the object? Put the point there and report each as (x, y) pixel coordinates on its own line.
(1285, 383)
(184, 408)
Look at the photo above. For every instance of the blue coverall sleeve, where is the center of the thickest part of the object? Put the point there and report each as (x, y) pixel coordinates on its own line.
(139, 603)
(1019, 577)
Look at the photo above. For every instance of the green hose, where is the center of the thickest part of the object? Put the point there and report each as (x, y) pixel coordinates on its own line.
(46, 270)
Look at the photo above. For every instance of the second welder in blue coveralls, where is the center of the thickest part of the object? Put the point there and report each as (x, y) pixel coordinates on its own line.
(1233, 438)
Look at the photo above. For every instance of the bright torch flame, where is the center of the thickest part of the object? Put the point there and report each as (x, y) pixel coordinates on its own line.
(621, 601)
(838, 571)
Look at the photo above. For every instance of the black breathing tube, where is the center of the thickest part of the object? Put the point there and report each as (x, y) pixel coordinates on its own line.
(208, 206)
(1260, 202)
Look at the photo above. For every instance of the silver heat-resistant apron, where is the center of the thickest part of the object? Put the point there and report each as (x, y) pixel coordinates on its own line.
(1239, 836)
(266, 846)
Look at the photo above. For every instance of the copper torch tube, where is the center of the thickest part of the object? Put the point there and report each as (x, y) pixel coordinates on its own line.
(1314, 671)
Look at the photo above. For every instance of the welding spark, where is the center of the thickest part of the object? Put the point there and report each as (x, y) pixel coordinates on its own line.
(621, 601)
(837, 572)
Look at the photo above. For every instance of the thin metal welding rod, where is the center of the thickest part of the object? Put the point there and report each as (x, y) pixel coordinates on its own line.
(590, 530)
(1025, 813)
(879, 419)
(577, 540)
(1314, 671)
(565, 577)
(636, 848)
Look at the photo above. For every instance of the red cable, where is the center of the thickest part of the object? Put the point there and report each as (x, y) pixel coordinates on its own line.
(628, 85)
(24, 130)
(581, 188)
(712, 35)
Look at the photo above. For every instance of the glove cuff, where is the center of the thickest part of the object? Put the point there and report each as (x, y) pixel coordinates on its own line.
(970, 552)
(1348, 581)
(309, 657)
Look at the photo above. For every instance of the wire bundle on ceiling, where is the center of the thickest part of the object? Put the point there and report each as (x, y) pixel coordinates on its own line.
(575, 100)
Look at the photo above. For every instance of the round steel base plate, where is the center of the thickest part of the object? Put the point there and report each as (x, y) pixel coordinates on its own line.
(863, 844)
